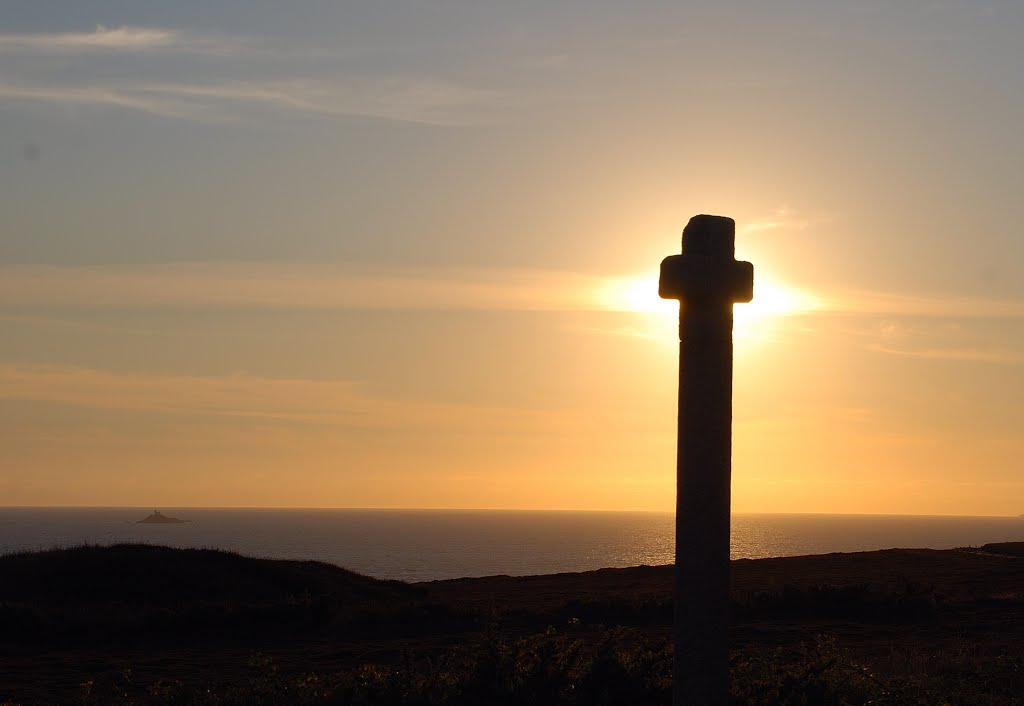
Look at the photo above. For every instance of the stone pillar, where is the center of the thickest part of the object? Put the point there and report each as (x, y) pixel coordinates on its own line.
(708, 280)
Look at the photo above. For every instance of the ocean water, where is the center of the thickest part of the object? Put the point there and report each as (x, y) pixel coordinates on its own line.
(422, 545)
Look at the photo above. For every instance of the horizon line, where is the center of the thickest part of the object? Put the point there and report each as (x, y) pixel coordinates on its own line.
(477, 509)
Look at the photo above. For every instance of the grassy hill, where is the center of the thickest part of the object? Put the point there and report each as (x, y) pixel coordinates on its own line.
(139, 624)
(149, 574)
(135, 593)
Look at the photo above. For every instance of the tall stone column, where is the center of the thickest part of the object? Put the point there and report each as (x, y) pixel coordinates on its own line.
(707, 280)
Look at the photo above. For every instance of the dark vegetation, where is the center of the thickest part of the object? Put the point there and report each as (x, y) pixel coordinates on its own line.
(133, 624)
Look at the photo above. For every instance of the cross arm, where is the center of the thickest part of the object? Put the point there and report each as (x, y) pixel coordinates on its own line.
(691, 276)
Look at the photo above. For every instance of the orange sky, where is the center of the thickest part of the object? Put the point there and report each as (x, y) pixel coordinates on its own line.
(352, 258)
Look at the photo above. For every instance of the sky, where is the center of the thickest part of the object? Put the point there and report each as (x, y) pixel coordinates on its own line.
(404, 253)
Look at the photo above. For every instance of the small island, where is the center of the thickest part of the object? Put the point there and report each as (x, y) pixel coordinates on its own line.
(158, 518)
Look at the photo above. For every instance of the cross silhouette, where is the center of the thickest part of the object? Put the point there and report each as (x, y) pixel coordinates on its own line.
(707, 280)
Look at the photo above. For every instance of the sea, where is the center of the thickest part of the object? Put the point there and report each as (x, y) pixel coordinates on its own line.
(425, 545)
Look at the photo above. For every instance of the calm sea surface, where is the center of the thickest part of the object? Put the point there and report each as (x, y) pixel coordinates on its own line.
(420, 545)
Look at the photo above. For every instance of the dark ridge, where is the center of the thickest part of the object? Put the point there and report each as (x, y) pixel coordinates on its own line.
(158, 575)
(149, 595)
(1004, 548)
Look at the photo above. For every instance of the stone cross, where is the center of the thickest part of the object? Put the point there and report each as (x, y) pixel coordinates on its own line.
(707, 280)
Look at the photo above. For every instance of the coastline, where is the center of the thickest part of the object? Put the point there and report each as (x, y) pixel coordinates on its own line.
(423, 545)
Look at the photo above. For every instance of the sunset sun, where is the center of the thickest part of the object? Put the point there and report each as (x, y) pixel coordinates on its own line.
(772, 299)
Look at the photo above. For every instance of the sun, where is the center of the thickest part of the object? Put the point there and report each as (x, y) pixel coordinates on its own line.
(772, 299)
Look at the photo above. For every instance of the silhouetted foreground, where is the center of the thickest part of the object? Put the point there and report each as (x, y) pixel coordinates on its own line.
(707, 280)
(134, 624)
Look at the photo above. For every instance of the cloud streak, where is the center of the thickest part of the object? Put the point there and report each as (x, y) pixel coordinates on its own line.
(334, 403)
(264, 285)
(861, 302)
(277, 286)
(165, 106)
(414, 100)
(125, 38)
(782, 218)
(968, 355)
(234, 76)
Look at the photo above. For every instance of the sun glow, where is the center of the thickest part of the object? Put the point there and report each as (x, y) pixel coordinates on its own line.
(771, 299)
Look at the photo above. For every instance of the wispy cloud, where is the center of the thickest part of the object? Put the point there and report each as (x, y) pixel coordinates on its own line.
(335, 403)
(163, 106)
(970, 355)
(351, 286)
(657, 331)
(70, 322)
(783, 218)
(125, 38)
(232, 76)
(422, 100)
(415, 100)
(282, 286)
(954, 339)
(860, 302)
